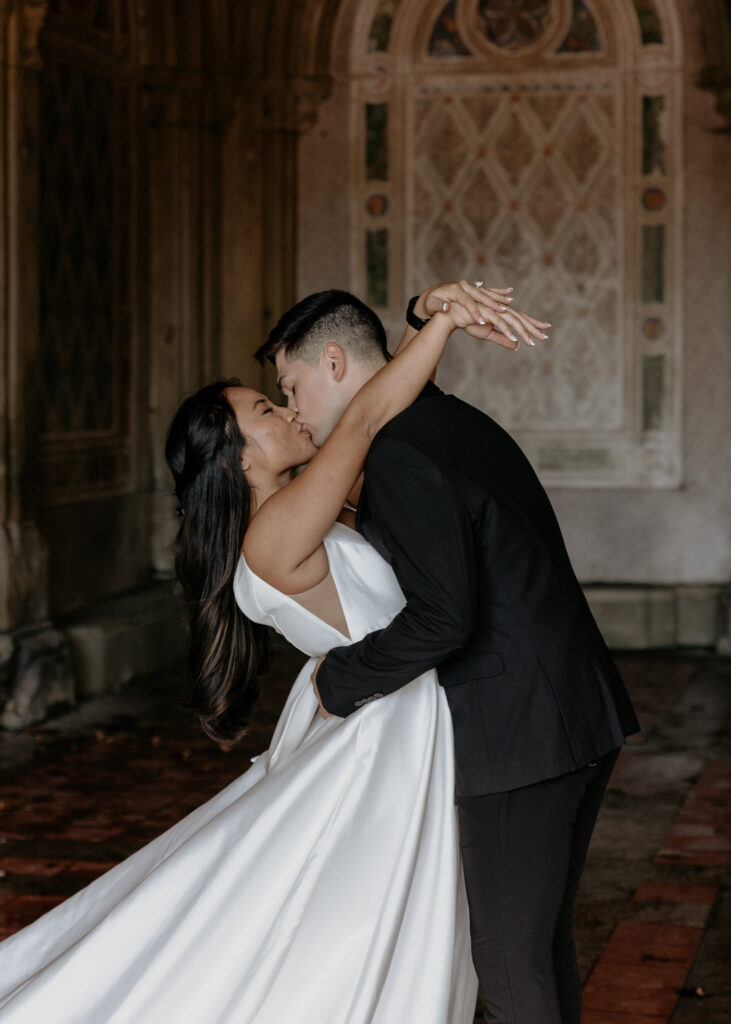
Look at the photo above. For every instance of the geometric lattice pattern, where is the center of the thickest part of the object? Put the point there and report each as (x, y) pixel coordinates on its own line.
(516, 182)
(537, 144)
(77, 225)
(85, 332)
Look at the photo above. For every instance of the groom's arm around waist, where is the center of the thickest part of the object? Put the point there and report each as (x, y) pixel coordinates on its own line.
(429, 534)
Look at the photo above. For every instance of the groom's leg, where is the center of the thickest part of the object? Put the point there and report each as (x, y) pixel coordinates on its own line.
(523, 852)
(564, 948)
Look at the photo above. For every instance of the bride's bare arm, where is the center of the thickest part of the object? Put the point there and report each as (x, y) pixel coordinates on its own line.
(283, 541)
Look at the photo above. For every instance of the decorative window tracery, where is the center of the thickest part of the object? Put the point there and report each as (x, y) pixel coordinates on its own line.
(554, 174)
(85, 285)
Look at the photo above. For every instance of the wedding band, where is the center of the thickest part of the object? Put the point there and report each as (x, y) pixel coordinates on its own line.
(479, 284)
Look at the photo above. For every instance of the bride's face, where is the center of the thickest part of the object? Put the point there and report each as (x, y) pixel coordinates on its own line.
(275, 441)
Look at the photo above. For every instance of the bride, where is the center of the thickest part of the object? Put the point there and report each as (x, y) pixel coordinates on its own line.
(323, 886)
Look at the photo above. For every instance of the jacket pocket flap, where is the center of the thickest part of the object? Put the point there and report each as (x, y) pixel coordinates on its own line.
(471, 664)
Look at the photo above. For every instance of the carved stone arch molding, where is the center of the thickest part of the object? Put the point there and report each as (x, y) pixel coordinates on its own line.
(546, 154)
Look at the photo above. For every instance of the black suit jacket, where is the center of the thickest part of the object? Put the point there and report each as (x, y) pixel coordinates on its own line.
(491, 599)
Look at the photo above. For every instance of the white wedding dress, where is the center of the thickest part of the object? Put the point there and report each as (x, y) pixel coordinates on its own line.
(324, 886)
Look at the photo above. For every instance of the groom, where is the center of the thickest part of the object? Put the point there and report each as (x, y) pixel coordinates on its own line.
(538, 708)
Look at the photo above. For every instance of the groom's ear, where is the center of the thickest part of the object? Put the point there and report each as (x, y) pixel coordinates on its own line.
(334, 360)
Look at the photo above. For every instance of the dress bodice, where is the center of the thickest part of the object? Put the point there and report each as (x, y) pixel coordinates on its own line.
(367, 587)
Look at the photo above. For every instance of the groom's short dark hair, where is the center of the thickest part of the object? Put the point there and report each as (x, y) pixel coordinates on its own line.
(332, 315)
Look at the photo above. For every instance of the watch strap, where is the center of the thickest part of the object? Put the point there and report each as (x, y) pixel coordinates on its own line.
(411, 318)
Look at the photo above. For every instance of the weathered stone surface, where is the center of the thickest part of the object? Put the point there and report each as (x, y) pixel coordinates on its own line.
(637, 618)
(38, 677)
(125, 637)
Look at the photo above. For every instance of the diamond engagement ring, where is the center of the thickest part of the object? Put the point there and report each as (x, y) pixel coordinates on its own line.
(479, 284)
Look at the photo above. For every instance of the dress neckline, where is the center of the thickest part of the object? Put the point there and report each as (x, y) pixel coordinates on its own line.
(347, 639)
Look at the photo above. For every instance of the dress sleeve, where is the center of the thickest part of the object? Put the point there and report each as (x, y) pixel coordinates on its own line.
(428, 531)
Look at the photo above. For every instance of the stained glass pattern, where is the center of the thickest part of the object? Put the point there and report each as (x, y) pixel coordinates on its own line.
(376, 116)
(379, 36)
(649, 19)
(653, 141)
(583, 34)
(446, 40)
(513, 24)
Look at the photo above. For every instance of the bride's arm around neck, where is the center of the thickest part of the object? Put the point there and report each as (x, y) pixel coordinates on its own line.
(283, 543)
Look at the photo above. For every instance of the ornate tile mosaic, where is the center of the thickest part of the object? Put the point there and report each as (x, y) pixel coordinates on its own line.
(508, 165)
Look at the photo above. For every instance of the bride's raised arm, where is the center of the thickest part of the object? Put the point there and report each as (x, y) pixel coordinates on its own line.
(283, 541)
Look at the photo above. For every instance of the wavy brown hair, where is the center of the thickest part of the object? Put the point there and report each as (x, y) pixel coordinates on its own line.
(227, 651)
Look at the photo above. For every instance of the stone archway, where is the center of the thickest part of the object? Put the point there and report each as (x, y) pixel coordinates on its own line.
(648, 465)
(555, 161)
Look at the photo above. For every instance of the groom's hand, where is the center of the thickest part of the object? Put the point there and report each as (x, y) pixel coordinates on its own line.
(322, 711)
(482, 312)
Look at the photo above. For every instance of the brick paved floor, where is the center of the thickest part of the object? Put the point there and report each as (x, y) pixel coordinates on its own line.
(653, 919)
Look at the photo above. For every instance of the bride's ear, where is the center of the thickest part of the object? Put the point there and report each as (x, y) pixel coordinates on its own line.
(334, 360)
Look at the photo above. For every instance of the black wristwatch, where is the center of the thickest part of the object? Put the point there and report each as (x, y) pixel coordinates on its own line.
(411, 318)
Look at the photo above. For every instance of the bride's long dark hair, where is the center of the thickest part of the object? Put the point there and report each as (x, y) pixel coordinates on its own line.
(227, 651)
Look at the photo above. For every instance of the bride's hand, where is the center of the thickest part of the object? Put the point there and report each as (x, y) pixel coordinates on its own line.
(482, 312)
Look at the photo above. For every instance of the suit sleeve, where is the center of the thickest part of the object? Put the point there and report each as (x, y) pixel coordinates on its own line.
(430, 536)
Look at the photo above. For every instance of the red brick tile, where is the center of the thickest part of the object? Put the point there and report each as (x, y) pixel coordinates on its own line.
(89, 867)
(713, 843)
(650, 1001)
(639, 976)
(673, 892)
(699, 859)
(31, 866)
(638, 942)
(608, 1017)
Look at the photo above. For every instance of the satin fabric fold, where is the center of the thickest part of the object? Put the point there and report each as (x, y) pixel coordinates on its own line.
(324, 885)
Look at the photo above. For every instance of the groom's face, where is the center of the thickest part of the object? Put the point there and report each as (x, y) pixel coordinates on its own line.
(313, 392)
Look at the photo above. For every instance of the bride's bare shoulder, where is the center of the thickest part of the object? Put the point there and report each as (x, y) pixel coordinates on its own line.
(265, 552)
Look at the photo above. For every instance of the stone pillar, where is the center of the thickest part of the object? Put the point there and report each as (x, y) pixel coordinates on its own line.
(259, 240)
(35, 667)
(182, 144)
(222, 166)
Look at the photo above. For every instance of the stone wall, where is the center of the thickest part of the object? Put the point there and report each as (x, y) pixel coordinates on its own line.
(626, 411)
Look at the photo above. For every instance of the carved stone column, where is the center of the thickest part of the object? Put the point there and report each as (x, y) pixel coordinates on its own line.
(260, 197)
(182, 144)
(22, 558)
(35, 668)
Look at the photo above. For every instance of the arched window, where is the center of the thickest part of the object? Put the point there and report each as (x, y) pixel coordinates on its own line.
(534, 143)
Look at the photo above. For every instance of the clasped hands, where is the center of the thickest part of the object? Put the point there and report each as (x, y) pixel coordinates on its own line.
(482, 312)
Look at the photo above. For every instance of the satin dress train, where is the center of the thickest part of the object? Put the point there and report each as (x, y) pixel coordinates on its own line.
(323, 886)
